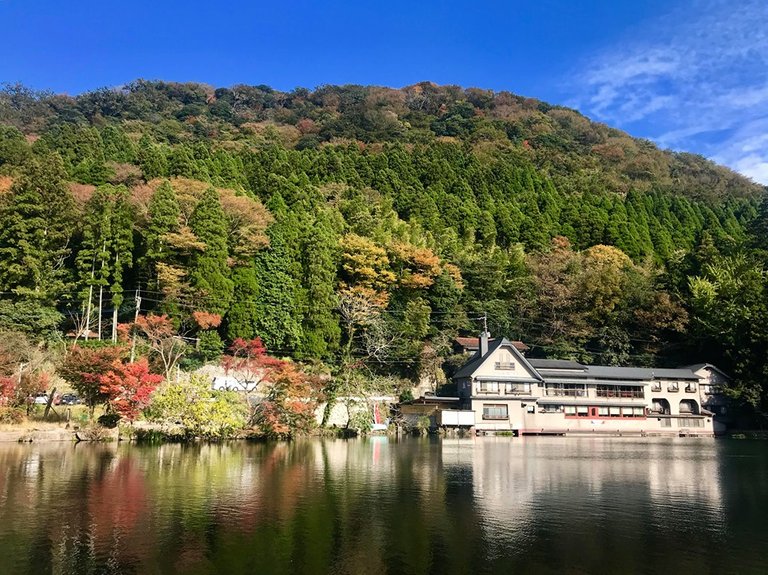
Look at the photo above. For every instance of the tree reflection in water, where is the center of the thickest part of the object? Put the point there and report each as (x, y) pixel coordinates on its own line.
(483, 505)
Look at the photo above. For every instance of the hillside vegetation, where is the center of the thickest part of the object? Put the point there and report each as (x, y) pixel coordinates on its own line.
(361, 228)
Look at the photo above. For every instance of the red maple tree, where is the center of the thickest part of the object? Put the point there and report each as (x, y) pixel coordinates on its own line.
(128, 387)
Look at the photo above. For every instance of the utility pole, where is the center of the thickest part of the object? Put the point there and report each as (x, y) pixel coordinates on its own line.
(137, 297)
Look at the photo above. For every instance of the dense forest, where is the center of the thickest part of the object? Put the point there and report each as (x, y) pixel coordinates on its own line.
(359, 229)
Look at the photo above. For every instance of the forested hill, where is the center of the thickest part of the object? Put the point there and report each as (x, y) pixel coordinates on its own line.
(367, 226)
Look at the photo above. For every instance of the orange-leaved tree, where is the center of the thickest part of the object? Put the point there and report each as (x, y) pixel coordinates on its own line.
(289, 406)
(83, 366)
(281, 398)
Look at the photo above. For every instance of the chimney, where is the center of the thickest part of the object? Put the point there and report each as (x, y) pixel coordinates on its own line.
(484, 337)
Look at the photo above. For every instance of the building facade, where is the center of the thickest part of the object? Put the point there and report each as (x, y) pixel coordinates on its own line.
(508, 392)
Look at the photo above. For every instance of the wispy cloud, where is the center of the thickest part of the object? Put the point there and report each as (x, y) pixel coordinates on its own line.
(693, 79)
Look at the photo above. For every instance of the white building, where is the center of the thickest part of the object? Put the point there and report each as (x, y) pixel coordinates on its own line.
(507, 392)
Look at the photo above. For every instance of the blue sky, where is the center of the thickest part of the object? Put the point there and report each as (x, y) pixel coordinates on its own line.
(689, 74)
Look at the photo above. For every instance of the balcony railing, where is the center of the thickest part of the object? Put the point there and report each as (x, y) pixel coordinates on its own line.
(620, 393)
(495, 416)
(508, 390)
(565, 392)
(509, 365)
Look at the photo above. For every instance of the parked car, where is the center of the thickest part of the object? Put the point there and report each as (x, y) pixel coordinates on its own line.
(41, 399)
(69, 399)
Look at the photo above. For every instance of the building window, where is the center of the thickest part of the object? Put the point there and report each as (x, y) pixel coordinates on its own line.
(488, 387)
(666, 422)
(570, 410)
(685, 422)
(614, 411)
(582, 411)
(553, 408)
(505, 361)
(602, 411)
(517, 388)
(566, 389)
(494, 411)
(673, 387)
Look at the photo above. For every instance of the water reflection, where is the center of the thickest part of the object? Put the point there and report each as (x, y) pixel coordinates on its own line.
(485, 505)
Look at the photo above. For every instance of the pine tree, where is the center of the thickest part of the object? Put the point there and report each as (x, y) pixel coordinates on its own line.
(241, 320)
(37, 220)
(163, 218)
(278, 308)
(209, 271)
(151, 159)
(105, 251)
(321, 328)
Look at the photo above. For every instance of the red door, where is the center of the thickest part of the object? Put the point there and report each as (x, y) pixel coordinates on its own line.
(593, 411)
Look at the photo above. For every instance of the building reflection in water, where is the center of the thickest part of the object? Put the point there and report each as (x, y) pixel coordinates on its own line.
(482, 505)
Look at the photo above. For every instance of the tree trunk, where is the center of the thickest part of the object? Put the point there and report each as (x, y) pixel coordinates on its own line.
(114, 307)
(101, 287)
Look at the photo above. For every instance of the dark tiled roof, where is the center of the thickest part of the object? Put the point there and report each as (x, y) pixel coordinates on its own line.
(639, 373)
(556, 364)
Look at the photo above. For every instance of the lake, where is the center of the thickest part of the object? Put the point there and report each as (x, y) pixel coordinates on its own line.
(379, 505)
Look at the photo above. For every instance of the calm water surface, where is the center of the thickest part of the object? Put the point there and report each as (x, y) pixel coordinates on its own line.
(485, 505)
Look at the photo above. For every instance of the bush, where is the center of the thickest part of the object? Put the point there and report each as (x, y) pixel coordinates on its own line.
(11, 415)
(109, 420)
(198, 409)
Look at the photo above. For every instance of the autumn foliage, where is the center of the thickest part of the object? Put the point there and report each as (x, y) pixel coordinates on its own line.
(128, 387)
(288, 396)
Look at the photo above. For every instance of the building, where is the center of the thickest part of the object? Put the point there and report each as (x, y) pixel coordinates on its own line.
(508, 392)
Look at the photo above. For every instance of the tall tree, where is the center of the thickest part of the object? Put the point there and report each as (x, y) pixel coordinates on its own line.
(37, 222)
(209, 269)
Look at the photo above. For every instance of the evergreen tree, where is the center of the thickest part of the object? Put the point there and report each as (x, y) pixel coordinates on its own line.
(241, 320)
(278, 310)
(37, 221)
(209, 269)
(151, 159)
(321, 328)
(105, 251)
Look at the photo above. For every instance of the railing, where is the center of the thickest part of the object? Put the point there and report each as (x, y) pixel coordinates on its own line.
(505, 365)
(508, 390)
(620, 393)
(565, 392)
(495, 417)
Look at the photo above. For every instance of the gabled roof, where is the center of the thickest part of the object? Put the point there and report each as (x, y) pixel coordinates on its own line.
(697, 366)
(476, 360)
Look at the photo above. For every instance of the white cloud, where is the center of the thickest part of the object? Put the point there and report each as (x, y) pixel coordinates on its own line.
(687, 76)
